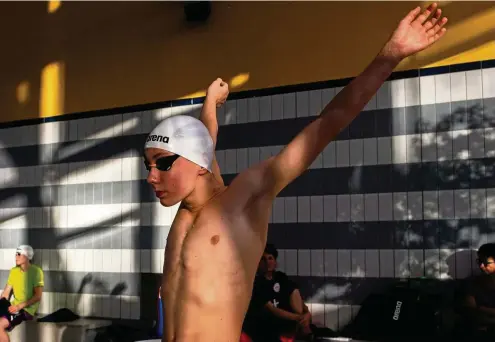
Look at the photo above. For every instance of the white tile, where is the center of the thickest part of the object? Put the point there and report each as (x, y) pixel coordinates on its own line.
(384, 150)
(370, 151)
(460, 146)
(458, 91)
(317, 263)
(345, 315)
(316, 209)
(384, 96)
(427, 89)
(358, 263)
(230, 161)
(446, 204)
(342, 153)
(444, 146)
(371, 207)
(399, 149)
(304, 263)
(432, 260)
(291, 263)
(490, 203)
(290, 209)
(302, 104)
(413, 148)
(281, 260)
(344, 263)
(289, 106)
(442, 87)
(428, 147)
(253, 110)
(356, 152)
(326, 96)
(385, 206)
(329, 155)
(277, 110)
(146, 261)
(476, 142)
(125, 264)
(357, 208)
(315, 105)
(478, 203)
(265, 153)
(318, 162)
(242, 159)
(372, 103)
(461, 204)
(265, 108)
(329, 208)
(242, 111)
(488, 76)
(253, 156)
(416, 263)
(474, 84)
(489, 147)
(303, 209)
(125, 307)
(412, 91)
(372, 257)
(430, 205)
(343, 208)
(415, 205)
(397, 93)
(330, 257)
(401, 263)
(332, 316)
(230, 112)
(400, 206)
(278, 212)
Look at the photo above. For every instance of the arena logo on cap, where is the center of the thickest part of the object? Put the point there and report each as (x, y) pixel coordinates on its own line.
(160, 138)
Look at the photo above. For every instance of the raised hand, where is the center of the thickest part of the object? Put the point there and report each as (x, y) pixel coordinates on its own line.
(416, 32)
(218, 91)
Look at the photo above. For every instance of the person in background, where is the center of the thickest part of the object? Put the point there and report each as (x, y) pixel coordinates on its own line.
(480, 295)
(25, 284)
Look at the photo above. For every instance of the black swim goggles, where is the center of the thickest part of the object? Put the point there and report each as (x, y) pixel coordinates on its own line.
(162, 163)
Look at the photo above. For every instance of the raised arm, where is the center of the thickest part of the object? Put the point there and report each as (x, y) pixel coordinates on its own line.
(414, 33)
(216, 95)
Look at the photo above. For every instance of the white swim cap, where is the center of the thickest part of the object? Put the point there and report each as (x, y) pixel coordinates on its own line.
(186, 136)
(25, 250)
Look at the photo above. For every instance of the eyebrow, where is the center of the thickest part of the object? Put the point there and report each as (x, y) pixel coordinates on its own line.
(153, 157)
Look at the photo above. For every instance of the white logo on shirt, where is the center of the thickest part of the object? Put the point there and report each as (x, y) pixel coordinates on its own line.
(276, 287)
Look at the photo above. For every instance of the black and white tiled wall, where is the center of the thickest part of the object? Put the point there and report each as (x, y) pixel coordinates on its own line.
(406, 191)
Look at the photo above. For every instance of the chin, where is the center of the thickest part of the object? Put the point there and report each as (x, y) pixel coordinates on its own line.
(167, 202)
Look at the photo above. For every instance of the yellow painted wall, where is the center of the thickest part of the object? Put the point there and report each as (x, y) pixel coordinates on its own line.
(96, 55)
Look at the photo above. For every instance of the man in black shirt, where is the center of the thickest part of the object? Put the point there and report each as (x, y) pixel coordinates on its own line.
(480, 299)
(277, 311)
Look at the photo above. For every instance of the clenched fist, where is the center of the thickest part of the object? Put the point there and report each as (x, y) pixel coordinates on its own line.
(218, 91)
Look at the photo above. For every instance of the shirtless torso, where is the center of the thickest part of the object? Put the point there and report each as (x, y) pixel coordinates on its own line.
(210, 263)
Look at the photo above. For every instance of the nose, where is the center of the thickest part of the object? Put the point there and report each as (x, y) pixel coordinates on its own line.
(153, 176)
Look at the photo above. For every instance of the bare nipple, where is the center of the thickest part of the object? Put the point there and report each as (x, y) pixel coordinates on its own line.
(215, 239)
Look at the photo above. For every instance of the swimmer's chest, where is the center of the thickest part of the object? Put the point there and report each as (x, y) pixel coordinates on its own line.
(209, 241)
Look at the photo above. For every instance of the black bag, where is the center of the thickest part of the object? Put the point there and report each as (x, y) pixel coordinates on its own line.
(400, 313)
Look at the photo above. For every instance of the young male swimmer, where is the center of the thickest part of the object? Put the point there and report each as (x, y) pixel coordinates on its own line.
(218, 235)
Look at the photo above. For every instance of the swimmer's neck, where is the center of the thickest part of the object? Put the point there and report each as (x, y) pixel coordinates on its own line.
(207, 188)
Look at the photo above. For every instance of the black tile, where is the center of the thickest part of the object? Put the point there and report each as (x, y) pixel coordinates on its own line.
(429, 176)
(413, 120)
(383, 122)
(446, 176)
(459, 119)
(474, 113)
(399, 176)
(443, 115)
(428, 118)
(398, 121)
(448, 231)
(430, 234)
(465, 67)
(383, 178)
(415, 238)
(146, 237)
(489, 112)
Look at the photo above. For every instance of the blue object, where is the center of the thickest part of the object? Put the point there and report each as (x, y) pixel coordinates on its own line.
(159, 325)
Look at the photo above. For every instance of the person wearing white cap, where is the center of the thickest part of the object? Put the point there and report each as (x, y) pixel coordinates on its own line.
(25, 283)
(219, 232)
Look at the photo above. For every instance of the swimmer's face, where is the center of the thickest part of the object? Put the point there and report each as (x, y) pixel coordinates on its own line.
(487, 265)
(175, 184)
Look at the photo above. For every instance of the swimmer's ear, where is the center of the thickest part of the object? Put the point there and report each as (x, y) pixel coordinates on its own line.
(202, 171)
